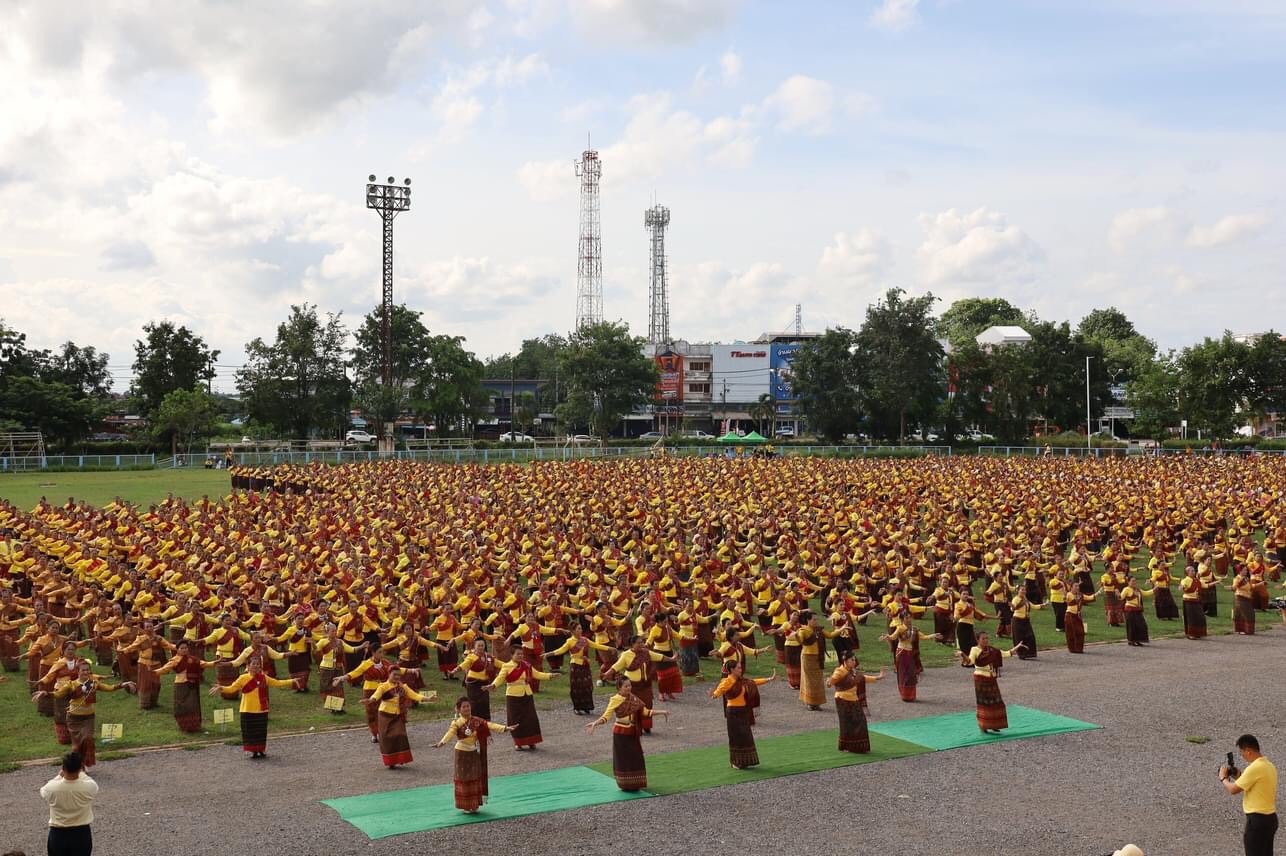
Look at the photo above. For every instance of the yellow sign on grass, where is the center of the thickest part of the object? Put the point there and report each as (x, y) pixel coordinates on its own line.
(333, 702)
(113, 730)
(222, 715)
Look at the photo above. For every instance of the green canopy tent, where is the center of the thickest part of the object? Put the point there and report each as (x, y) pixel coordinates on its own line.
(754, 438)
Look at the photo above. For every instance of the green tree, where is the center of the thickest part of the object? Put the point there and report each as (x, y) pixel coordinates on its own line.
(764, 411)
(968, 317)
(901, 360)
(449, 386)
(1213, 383)
(825, 380)
(410, 347)
(605, 366)
(1057, 362)
(185, 415)
(1126, 353)
(1154, 396)
(54, 409)
(82, 369)
(169, 358)
(1012, 396)
(537, 359)
(1267, 375)
(297, 384)
(524, 412)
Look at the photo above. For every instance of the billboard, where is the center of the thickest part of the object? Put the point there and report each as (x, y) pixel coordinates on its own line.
(740, 373)
(669, 386)
(783, 356)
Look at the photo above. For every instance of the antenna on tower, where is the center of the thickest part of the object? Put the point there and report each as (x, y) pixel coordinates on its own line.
(589, 264)
(656, 220)
(799, 319)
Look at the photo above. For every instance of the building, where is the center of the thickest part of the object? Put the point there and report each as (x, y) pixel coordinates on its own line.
(999, 335)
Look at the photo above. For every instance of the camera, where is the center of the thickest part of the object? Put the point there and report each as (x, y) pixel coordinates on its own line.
(1232, 767)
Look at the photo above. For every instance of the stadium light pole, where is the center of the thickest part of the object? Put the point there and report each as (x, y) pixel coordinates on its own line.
(1089, 436)
(389, 199)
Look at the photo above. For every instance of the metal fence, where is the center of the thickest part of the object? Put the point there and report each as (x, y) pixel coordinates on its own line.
(76, 462)
(1113, 452)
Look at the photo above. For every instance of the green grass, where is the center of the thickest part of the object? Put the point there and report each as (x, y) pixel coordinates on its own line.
(143, 487)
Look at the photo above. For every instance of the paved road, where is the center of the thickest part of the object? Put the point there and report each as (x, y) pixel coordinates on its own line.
(1137, 779)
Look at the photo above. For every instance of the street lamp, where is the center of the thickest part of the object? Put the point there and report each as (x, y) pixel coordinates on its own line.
(389, 200)
(1089, 436)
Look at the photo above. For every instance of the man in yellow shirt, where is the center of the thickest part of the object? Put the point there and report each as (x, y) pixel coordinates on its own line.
(1258, 786)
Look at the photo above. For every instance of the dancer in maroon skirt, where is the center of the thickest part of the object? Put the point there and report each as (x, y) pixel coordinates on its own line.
(986, 660)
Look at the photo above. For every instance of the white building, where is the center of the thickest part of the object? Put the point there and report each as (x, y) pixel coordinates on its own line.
(999, 335)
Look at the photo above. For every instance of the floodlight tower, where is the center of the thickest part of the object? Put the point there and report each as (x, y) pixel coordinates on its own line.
(589, 265)
(656, 220)
(389, 200)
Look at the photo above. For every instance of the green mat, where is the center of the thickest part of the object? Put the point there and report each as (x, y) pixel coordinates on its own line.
(787, 755)
(386, 813)
(954, 730)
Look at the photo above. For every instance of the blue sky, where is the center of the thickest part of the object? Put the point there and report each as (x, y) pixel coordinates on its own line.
(206, 163)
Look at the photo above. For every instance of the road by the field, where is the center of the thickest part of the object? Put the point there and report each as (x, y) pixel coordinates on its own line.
(1136, 779)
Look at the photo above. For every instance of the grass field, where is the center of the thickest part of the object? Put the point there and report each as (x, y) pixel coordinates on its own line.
(139, 486)
(27, 735)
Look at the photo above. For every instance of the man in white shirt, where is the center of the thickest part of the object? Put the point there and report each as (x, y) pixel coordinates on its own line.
(70, 795)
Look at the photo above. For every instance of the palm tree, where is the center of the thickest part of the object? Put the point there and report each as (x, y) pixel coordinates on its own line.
(764, 410)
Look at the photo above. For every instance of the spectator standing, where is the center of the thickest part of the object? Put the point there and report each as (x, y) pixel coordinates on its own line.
(1258, 786)
(70, 795)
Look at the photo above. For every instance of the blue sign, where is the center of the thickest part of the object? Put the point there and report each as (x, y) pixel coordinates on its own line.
(782, 358)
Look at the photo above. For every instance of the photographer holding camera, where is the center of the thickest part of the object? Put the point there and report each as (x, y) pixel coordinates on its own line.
(1258, 787)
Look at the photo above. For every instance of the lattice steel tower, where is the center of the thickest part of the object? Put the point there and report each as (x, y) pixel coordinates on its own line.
(589, 264)
(656, 220)
(389, 200)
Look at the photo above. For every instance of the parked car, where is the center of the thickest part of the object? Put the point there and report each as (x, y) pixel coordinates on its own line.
(583, 440)
(510, 437)
(697, 435)
(652, 435)
(786, 433)
(359, 437)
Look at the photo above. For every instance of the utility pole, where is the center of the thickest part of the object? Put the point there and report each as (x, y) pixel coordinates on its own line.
(389, 200)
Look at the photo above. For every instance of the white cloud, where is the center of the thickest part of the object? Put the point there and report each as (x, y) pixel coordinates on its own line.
(663, 21)
(1226, 230)
(283, 67)
(895, 15)
(976, 247)
(859, 258)
(1138, 223)
(730, 67)
(658, 139)
(802, 103)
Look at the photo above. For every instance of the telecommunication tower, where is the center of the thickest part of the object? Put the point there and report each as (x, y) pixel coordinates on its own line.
(589, 264)
(799, 319)
(656, 220)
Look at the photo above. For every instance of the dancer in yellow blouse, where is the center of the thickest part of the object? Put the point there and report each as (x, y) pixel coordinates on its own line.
(394, 699)
(986, 660)
(850, 703)
(253, 689)
(741, 697)
(628, 765)
(471, 735)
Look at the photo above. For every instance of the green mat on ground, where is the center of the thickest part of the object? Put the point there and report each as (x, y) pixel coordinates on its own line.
(954, 730)
(787, 755)
(386, 813)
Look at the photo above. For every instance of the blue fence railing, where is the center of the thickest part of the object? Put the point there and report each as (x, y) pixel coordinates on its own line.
(75, 462)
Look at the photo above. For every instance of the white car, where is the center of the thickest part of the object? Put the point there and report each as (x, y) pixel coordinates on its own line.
(697, 435)
(359, 437)
(510, 437)
(785, 433)
(583, 440)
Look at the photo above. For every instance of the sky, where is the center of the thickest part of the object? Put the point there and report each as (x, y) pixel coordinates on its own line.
(206, 162)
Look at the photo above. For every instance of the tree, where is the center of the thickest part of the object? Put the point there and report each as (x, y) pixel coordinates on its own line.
(1127, 354)
(764, 410)
(1154, 396)
(968, 317)
(82, 369)
(410, 346)
(901, 360)
(537, 359)
(1213, 383)
(54, 409)
(1107, 325)
(169, 358)
(524, 415)
(605, 367)
(297, 384)
(189, 414)
(449, 386)
(1267, 375)
(826, 380)
(1058, 374)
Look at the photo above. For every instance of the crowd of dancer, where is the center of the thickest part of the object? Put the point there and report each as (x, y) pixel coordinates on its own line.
(628, 573)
